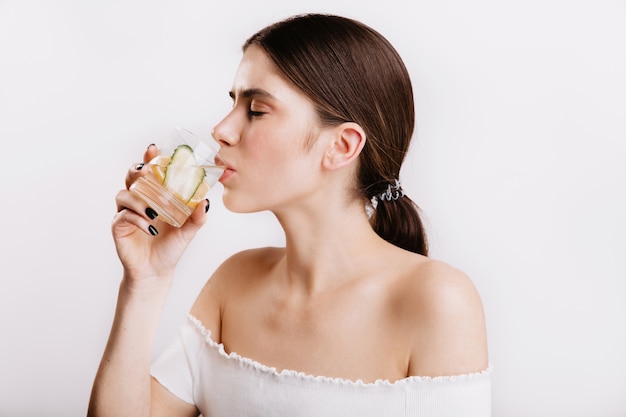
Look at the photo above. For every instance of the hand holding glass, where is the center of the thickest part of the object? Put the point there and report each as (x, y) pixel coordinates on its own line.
(180, 177)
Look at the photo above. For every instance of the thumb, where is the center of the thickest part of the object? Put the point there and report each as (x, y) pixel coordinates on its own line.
(198, 218)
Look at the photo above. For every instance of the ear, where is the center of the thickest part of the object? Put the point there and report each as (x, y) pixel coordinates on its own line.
(345, 145)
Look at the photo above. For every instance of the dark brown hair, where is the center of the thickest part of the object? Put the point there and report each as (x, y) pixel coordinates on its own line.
(353, 74)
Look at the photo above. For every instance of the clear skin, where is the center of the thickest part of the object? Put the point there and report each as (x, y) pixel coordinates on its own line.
(336, 301)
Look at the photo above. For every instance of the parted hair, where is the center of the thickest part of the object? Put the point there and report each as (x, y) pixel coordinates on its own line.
(353, 74)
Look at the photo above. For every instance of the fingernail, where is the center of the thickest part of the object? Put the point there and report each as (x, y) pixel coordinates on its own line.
(149, 146)
(151, 213)
(208, 204)
(153, 231)
(139, 166)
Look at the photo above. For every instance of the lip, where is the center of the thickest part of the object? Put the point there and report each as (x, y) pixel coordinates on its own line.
(227, 172)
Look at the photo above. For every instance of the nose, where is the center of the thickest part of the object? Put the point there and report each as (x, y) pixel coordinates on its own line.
(226, 132)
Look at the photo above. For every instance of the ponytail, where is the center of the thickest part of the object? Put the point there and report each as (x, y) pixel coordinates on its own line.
(398, 222)
(395, 218)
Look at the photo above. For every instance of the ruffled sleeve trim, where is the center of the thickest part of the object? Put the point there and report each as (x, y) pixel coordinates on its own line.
(405, 383)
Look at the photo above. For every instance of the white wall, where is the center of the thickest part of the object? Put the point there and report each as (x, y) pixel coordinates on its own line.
(518, 165)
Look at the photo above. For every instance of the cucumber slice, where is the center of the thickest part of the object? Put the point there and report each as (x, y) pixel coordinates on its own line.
(183, 176)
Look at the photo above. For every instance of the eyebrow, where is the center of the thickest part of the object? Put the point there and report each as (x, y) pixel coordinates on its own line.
(252, 92)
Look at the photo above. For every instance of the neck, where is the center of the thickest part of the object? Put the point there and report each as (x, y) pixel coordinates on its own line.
(327, 248)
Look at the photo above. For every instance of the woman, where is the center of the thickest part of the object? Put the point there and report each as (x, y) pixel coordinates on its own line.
(351, 318)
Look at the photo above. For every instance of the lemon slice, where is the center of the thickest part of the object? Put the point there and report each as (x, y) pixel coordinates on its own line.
(158, 166)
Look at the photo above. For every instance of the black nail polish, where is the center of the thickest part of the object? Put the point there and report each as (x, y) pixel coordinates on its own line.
(208, 204)
(153, 231)
(139, 166)
(151, 213)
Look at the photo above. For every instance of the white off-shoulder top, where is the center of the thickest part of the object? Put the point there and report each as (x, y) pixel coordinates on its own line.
(220, 384)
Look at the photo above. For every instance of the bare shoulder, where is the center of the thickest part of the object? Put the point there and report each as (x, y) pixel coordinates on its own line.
(444, 319)
(439, 286)
(241, 271)
(248, 264)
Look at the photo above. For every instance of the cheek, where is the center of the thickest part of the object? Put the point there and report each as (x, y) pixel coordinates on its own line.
(268, 150)
(278, 146)
(278, 155)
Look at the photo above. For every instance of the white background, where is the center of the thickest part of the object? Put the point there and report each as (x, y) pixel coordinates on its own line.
(518, 164)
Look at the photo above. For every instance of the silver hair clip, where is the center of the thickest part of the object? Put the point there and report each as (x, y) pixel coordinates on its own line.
(393, 192)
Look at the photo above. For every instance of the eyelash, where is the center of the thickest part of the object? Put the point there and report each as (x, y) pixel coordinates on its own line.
(255, 113)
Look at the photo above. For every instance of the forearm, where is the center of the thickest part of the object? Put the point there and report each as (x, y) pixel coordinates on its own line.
(122, 383)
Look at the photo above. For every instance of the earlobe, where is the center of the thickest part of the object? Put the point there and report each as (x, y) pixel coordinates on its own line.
(346, 145)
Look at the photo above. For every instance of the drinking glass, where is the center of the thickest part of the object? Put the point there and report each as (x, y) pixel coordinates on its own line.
(180, 177)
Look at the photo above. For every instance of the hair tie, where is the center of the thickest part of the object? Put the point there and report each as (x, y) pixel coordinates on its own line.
(394, 191)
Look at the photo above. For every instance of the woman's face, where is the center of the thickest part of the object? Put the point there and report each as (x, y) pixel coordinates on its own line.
(264, 139)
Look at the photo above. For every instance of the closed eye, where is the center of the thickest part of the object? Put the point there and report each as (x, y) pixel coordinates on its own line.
(253, 95)
(253, 113)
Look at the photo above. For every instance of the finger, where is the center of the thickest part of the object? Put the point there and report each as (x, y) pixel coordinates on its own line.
(199, 214)
(197, 218)
(151, 152)
(126, 200)
(125, 218)
(138, 169)
(135, 171)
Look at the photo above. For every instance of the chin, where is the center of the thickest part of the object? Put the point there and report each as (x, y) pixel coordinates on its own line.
(240, 205)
